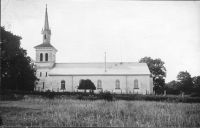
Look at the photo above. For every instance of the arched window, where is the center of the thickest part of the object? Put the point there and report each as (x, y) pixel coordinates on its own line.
(117, 84)
(46, 56)
(62, 85)
(44, 36)
(136, 84)
(41, 57)
(99, 83)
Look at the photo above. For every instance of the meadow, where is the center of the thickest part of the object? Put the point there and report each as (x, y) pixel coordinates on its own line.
(99, 113)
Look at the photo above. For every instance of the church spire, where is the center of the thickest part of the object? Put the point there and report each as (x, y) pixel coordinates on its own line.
(46, 31)
(46, 22)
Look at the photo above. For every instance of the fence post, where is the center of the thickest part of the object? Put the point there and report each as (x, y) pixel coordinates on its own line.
(164, 92)
(146, 92)
(182, 94)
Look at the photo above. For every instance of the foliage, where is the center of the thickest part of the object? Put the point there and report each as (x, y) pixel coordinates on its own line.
(196, 81)
(172, 88)
(1, 122)
(185, 82)
(86, 85)
(158, 72)
(17, 71)
(20, 95)
(106, 96)
(195, 95)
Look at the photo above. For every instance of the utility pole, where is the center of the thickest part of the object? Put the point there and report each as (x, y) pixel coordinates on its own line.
(105, 61)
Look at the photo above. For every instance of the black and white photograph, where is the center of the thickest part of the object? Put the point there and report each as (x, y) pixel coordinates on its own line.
(100, 63)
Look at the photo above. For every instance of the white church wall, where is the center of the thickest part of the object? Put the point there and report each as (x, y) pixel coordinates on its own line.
(108, 83)
(44, 78)
(56, 83)
(143, 84)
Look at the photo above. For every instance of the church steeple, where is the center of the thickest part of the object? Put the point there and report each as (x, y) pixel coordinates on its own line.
(46, 22)
(46, 32)
(45, 52)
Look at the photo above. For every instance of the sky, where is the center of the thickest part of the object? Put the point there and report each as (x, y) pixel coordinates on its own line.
(83, 30)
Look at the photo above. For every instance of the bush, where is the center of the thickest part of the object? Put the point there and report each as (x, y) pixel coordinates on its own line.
(19, 95)
(106, 96)
(195, 95)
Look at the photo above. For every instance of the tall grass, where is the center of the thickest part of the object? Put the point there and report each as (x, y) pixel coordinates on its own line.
(62, 112)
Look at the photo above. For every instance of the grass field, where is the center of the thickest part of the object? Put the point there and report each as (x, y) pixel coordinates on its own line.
(61, 112)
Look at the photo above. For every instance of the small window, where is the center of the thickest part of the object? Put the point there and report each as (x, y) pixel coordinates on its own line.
(117, 84)
(40, 74)
(43, 86)
(136, 84)
(46, 57)
(41, 57)
(44, 36)
(99, 83)
(62, 85)
(46, 74)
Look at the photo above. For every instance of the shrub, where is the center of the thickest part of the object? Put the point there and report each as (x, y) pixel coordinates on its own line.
(106, 96)
(1, 121)
(195, 95)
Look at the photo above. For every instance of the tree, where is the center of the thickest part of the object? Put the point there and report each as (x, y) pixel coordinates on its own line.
(196, 81)
(172, 87)
(185, 82)
(158, 72)
(86, 85)
(17, 71)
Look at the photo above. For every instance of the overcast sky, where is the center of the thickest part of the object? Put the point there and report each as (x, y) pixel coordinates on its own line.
(83, 30)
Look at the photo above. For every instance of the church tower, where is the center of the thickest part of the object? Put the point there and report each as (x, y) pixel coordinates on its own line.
(45, 52)
(45, 57)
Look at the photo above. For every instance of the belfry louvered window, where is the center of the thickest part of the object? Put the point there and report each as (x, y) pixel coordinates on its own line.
(41, 57)
(46, 56)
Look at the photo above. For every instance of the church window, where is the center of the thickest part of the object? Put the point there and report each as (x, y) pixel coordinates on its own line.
(40, 74)
(62, 85)
(136, 84)
(46, 74)
(41, 57)
(46, 57)
(117, 84)
(43, 86)
(99, 83)
(44, 36)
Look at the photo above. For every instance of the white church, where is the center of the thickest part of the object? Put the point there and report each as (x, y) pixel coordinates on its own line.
(116, 77)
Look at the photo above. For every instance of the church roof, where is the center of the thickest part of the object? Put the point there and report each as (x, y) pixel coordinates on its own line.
(44, 45)
(112, 68)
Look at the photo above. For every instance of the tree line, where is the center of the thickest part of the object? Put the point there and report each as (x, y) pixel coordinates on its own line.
(184, 83)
